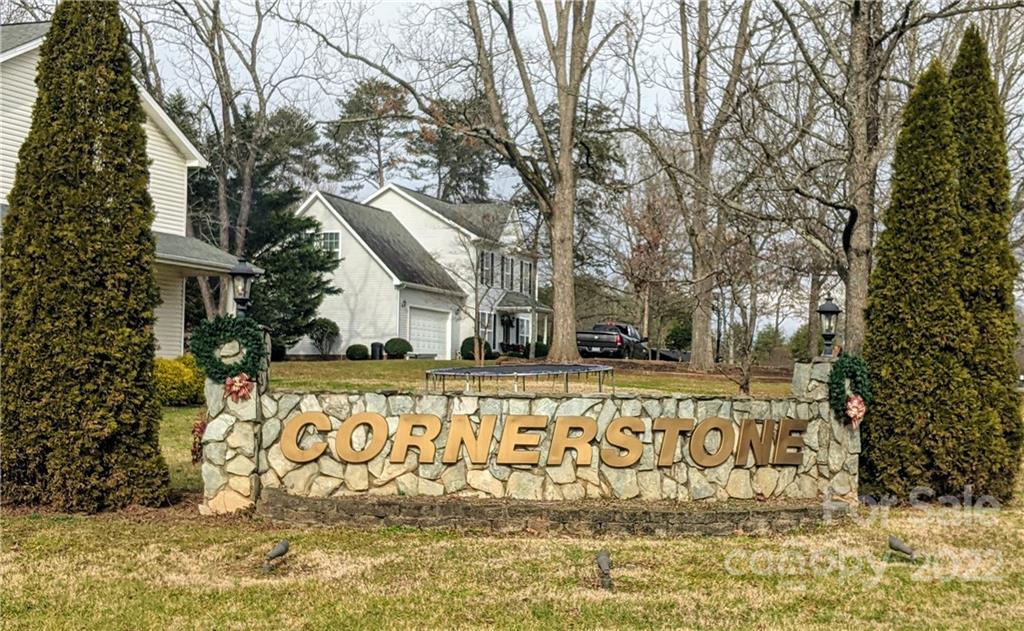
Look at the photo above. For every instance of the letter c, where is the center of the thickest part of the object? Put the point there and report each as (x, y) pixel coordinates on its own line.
(290, 436)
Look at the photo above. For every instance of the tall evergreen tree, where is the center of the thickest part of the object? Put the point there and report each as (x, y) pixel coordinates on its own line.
(988, 264)
(80, 416)
(457, 165)
(924, 427)
(366, 144)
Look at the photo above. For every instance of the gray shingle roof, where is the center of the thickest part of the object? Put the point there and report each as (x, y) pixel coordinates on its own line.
(14, 35)
(486, 220)
(515, 301)
(191, 252)
(394, 246)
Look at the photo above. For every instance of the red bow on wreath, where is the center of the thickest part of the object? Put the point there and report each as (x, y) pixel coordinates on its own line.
(855, 409)
(238, 387)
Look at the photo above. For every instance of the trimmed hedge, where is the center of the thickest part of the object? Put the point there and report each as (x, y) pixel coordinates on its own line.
(466, 349)
(179, 381)
(397, 348)
(357, 352)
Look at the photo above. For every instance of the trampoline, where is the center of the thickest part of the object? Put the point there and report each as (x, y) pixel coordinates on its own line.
(519, 374)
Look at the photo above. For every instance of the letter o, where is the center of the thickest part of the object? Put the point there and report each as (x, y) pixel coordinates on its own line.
(700, 453)
(343, 441)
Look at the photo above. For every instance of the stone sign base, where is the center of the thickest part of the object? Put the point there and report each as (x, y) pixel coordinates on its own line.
(554, 517)
(672, 448)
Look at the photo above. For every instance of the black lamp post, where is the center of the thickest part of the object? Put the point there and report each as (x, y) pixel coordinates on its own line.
(829, 314)
(242, 276)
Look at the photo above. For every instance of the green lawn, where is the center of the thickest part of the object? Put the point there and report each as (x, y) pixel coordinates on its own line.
(171, 569)
(409, 375)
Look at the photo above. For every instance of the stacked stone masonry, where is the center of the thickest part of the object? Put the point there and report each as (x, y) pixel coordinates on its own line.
(242, 452)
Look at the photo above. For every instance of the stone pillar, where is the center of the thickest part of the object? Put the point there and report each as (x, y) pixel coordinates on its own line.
(810, 380)
(230, 447)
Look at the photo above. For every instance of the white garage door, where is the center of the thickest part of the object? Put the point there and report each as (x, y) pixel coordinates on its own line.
(428, 332)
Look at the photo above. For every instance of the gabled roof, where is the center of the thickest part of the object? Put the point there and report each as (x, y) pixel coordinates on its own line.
(392, 245)
(14, 35)
(18, 39)
(485, 220)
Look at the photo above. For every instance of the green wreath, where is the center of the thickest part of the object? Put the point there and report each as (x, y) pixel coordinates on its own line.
(852, 368)
(210, 335)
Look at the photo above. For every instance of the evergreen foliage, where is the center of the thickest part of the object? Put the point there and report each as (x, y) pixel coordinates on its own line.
(924, 428)
(211, 335)
(989, 268)
(80, 413)
(366, 143)
(179, 381)
(324, 334)
(468, 344)
(397, 348)
(680, 334)
(457, 165)
(799, 346)
(357, 352)
(767, 340)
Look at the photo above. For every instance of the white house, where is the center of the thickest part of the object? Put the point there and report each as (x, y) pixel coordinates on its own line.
(416, 267)
(172, 155)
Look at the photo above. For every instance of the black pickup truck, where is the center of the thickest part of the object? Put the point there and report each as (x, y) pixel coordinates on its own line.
(611, 339)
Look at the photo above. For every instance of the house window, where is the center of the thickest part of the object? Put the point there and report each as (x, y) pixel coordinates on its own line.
(330, 242)
(485, 319)
(487, 268)
(523, 330)
(506, 272)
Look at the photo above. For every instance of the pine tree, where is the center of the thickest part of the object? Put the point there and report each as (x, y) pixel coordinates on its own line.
(79, 411)
(987, 259)
(923, 428)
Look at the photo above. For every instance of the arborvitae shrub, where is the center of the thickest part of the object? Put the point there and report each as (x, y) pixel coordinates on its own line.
(80, 415)
(397, 348)
(357, 352)
(989, 269)
(924, 426)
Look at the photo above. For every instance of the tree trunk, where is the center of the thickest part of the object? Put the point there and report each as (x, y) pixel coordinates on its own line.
(563, 338)
(861, 173)
(702, 354)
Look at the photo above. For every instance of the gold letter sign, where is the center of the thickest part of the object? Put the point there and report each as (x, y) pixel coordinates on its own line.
(757, 442)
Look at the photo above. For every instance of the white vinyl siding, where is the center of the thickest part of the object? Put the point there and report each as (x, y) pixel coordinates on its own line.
(366, 310)
(168, 173)
(17, 94)
(168, 181)
(170, 313)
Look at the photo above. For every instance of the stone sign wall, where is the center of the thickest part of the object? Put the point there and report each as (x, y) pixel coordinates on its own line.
(248, 446)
